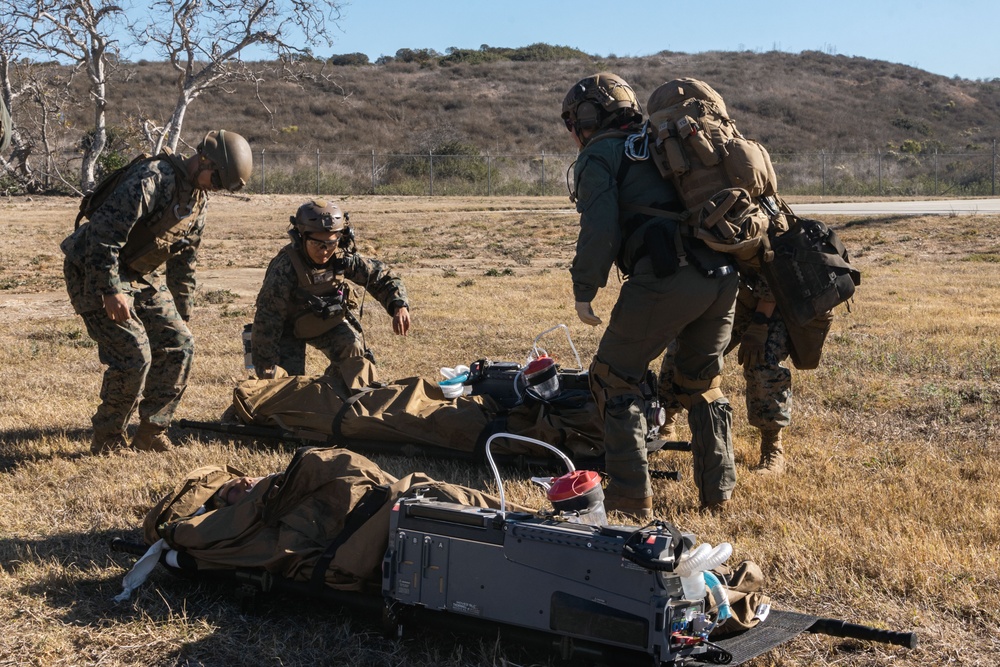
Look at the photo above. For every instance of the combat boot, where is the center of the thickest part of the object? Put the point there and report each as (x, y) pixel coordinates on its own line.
(638, 509)
(103, 443)
(772, 453)
(151, 438)
(668, 430)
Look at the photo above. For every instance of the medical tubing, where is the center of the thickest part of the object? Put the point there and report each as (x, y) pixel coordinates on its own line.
(496, 473)
(703, 558)
(720, 595)
(569, 339)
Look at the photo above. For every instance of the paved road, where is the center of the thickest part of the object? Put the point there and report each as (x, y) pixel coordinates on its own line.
(941, 207)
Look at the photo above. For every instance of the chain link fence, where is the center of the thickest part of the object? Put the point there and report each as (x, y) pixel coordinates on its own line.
(822, 173)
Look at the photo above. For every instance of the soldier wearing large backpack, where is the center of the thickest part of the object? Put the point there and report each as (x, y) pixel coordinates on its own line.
(305, 297)
(150, 216)
(676, 287)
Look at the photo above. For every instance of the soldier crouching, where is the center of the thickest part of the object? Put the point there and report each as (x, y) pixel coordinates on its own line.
(306, 296)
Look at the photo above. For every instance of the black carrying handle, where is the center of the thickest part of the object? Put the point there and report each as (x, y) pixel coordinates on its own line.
(836, 628)
(122, 545)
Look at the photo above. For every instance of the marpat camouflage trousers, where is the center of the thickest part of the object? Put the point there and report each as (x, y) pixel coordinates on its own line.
(148, 359)
(341, 342)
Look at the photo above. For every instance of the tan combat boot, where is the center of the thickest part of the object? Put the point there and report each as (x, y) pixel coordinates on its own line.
(107, 443)
(638, 509)
(151, 438)
(772, 454)
(668, 430)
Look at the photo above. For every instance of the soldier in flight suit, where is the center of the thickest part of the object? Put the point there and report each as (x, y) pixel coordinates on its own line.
(154, 216)
(305, 297)
(676, 287)
(764, 345)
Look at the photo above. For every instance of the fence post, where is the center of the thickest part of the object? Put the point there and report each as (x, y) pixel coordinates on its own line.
(263, 180)
(489, 175)
(373, 171)
(993, 182)
(822, 157)
(317, 172)
(543, 173)
(880, 172)
(430, 162)
(936, 188)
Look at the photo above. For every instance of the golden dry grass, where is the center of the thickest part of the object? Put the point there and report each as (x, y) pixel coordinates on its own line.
(887, 515)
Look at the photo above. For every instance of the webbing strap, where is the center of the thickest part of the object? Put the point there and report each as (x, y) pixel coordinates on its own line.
(370, 503)
(658, 212)
(338, 419)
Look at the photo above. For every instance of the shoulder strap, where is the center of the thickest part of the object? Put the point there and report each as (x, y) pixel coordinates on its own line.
(92, 200)
(658, 212)
(301, 271)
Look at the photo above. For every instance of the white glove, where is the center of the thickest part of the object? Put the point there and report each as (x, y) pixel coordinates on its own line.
(586, 313)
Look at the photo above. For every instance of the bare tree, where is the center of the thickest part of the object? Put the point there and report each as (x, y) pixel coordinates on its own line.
(78, 32)
(6, 126)
(204, 41)
(17, 166)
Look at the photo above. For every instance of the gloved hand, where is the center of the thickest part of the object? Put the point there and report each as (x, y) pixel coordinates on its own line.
(752, 345)
(586, 313)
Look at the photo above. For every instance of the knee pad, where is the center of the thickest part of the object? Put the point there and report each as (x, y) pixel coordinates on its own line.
(606, 386)
(690, 391)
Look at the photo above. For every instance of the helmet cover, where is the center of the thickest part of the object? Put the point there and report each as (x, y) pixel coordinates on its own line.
(319, 215)
(232, 156)
(598, 101)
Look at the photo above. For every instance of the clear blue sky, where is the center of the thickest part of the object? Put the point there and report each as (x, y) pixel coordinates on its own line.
(957, 37)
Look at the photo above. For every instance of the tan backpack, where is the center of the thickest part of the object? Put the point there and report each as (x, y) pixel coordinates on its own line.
(726, 181)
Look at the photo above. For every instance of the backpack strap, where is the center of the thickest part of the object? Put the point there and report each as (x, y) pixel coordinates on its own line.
(370, 503)
(92, 200)
(301, 271)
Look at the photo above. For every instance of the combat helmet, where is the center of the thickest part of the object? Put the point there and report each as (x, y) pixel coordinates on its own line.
(599, 101)
(319, 215)
(231, 154)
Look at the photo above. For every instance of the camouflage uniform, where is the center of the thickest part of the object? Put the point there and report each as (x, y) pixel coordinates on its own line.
(148, 357)
(280, 302)
(769, 385)
(691, 302)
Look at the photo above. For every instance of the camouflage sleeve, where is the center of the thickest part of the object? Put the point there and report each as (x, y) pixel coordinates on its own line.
(378, 280)
(274, 305)
(144, 191)
(755, 280)
(180, 267)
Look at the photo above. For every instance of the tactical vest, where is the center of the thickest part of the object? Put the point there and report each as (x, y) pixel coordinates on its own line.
(151, 243)
(327, 282)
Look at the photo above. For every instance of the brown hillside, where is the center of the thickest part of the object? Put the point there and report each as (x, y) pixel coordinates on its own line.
(792, 102)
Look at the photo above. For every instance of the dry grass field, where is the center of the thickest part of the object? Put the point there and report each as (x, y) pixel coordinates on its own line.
(887, 515)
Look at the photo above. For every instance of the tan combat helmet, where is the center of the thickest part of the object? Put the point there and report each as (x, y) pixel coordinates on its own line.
(599, 101)
(319, 215)
(231, 154)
